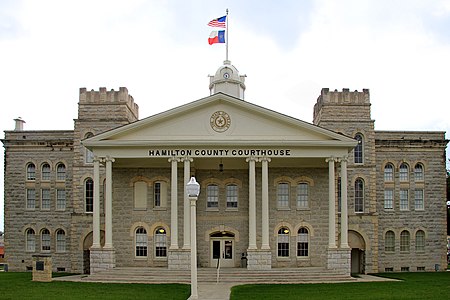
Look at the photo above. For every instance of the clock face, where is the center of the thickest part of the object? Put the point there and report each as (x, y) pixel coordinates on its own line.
(226, 75)
(220, 121)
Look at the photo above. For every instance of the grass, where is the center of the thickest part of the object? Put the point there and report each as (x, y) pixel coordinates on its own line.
(19, 286)
(413, 286)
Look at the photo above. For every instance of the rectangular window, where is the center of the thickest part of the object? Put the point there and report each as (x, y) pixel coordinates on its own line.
(388, 199)
(31, 198)
(418, 200)
(302, 195)
(60, 199)
(232, 196)
(283, 195)
(404, 269)
(283, 246)
(389, 269)
(60, 242)
(157, 194)
(339, 194)
(359, 196)
(404, 201)
(45, 241)
(89, 156)
(212, 196)
(45, 198)
(160, 245)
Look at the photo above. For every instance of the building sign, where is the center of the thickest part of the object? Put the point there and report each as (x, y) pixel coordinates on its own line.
(218, 152)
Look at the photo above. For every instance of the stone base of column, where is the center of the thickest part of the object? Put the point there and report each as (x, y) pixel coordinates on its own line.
(339, 260)
(259, 259)
(102, 259)
(179, 259)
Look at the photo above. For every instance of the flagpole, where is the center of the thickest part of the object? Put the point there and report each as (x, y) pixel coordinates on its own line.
(226, 41)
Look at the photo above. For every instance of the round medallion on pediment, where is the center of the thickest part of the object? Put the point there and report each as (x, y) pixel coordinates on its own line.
(220, 121)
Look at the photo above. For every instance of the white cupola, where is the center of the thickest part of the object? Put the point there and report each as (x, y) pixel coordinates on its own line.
(228, 81)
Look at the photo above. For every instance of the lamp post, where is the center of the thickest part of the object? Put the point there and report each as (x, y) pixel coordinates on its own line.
(193, 189)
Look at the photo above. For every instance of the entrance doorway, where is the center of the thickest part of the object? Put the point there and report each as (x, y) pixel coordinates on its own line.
(358, 255)
(87, 244)
(222, 250)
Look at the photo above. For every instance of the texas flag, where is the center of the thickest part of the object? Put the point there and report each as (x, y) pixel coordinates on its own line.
(216, 37)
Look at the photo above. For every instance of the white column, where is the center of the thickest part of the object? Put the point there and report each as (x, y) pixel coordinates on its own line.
(96, 205)
(251, 204)
(265, 203)
(187, 218)
(174, 203)
(344, 208)
(331, 204)
(108, 203)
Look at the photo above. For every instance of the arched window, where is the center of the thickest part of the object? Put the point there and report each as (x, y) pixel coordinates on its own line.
(283, 242)
(404, 241)
(89, 195)
(303, 195)
(232, 196)
(141, 242)
(160, 242)
(283, 195)
(389, 241)
(45, 172)
(60, 241)
(45, 240)
(31, 240)
(359, 195)
(31, 171)
(88, 156)
(359, 149)
(420, 240)
(418, 172)
(60, 172)
(403, 172)
(302, 242)
(212, 196)
(388, 173)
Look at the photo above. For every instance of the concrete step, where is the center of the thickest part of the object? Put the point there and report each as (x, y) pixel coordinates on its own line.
(226, 275)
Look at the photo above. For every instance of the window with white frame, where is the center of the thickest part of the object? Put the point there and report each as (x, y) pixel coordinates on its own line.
(31, 171)
(389, 241)
(45, 199)
(359, 149)
(283, 195)
(420, 240)
(31, 199)
(89, 155)
(359, 195)
(388, 173)
(418, 172)
(303, 242)
(60, 241)
(388, 199)
(404, 199)
(30, 240)
(302, 195)
(212, 196)
(283, 242)
(232, 196)
(157, 194)
(60, 172)
(45, 240)
(418, 200)
(160, 242)
(60, 199)
(89, 195)
(45, 172)
(141, 242)
(404, 241)
(403, 173)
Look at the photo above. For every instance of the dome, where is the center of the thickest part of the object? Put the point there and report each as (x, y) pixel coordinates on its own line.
(227, 80)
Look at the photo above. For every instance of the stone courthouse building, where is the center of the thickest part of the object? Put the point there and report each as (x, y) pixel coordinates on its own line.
(276, 191)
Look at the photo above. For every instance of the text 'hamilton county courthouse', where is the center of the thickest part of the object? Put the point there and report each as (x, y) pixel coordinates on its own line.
(276, 191)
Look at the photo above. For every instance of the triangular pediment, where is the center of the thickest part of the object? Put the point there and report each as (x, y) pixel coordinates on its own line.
(219, 120)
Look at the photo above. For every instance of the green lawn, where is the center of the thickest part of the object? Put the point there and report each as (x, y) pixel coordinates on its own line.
(413, 286)
(19, 286)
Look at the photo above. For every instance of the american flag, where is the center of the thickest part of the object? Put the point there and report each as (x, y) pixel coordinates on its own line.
(219, 22)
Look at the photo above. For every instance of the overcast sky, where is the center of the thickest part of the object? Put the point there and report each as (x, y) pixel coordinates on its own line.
(289, 50)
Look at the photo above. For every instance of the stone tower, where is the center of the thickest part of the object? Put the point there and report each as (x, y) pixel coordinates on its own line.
(349, 113)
